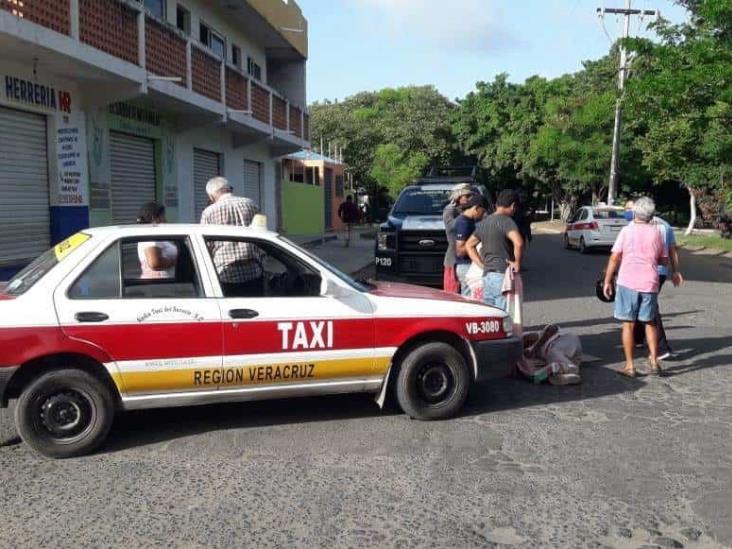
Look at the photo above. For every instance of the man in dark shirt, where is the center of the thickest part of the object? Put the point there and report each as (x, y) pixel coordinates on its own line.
(473, 211)
(502, 247)
(349, 214)
(459, 196)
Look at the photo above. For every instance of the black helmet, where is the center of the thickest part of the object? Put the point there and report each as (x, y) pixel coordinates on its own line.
(599, 289)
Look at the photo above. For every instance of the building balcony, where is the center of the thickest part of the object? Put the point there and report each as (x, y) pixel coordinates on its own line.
(121, 52)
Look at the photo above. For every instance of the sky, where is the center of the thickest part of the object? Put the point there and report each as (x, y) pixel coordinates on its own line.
(365, 45)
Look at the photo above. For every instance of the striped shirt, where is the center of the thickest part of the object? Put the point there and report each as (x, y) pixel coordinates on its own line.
(234, 261)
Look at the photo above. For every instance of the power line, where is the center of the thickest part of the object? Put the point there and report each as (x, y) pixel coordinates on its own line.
(627, 13)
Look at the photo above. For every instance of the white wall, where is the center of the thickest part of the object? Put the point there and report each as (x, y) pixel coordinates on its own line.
(220, 141)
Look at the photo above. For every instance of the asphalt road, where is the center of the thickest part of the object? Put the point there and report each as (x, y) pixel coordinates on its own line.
(612, 462)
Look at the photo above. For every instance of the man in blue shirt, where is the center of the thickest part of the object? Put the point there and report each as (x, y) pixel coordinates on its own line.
(473, 211)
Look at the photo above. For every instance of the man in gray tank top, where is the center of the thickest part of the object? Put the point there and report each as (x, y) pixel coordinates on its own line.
(501, 246)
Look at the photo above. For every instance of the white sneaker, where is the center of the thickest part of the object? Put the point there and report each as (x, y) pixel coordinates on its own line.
(666, 355)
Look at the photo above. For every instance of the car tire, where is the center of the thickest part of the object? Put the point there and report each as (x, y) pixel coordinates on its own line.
(582, 246)
(64, 413)
(567, 245)
(433, 382)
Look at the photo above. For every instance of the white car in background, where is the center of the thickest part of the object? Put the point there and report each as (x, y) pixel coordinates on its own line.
(594, 227)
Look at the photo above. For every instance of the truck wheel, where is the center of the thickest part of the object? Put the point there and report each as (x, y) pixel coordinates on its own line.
(433, 382)
(64, 413)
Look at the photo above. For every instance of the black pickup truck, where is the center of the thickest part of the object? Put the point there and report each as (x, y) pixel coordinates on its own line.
(411, 244)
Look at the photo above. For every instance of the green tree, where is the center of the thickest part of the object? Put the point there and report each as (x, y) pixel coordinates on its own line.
(680, 104)
(416, 119)
(394, 168)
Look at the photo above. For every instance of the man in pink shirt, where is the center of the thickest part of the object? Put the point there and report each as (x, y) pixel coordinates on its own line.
(638, 250)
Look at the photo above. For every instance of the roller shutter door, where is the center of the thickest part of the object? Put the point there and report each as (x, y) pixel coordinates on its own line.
(133, 175)
(25, 220)
(253, 182)
(206, 165)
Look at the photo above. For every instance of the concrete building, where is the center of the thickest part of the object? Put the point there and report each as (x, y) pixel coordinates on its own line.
(108, 104)
(312, 189)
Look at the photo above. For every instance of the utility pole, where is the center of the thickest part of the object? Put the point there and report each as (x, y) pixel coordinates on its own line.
(627, 12)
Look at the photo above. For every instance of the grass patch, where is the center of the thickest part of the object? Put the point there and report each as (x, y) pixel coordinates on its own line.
(708, 241)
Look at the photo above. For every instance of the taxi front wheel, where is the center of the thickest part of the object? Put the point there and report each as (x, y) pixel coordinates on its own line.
(433, 382)
(64, 413)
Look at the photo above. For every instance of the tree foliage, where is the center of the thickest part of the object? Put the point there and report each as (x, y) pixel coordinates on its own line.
(394, 168)
(681, 103)
(416, 120)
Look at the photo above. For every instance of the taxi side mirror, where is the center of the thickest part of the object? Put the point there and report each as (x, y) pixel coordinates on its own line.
(331, 289)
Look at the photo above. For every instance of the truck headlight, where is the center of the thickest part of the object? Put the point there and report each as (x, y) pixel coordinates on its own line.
(507, 325)
(385, 241)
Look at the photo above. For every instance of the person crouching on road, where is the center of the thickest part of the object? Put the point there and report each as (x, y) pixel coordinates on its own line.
(473, 211)
(501, 246)
(638, 251)
(459, 196)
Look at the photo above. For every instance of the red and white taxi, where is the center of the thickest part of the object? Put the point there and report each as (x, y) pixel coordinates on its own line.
(594, 227)
(87, 331)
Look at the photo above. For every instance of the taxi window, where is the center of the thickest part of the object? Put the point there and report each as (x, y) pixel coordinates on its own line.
(137, 268)
(26, 279)
(609, 214)
(246, 268)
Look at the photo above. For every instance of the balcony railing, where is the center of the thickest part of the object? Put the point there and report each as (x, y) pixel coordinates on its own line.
(121, 28)
(206, 73)
(118, 38)
(166, 52)
(279, 113)
(52, 14)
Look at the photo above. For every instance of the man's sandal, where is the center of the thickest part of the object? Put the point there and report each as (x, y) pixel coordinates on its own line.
(627, 373)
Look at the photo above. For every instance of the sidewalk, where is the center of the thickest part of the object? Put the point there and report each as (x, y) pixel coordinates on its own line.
(357, 256)
(548, 227)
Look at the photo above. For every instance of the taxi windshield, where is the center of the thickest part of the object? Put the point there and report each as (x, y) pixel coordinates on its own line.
(25, 279)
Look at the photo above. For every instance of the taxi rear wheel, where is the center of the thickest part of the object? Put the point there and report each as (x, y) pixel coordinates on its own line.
(433, 382)
(582, 246)
(64, 413)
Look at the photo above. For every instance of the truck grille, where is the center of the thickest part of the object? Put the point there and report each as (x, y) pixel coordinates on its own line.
(409, 241)
(421, 264)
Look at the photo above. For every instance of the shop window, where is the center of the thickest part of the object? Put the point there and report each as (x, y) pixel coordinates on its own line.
(313, 176)
(183, 19)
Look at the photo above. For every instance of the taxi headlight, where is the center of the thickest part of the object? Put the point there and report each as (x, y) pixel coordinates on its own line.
(507, 325)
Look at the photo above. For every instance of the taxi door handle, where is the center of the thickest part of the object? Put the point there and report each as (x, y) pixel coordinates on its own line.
(91, 317)
(243, 313)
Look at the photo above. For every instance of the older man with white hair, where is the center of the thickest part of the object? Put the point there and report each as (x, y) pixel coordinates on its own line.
(638, 251)
(237, 264)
